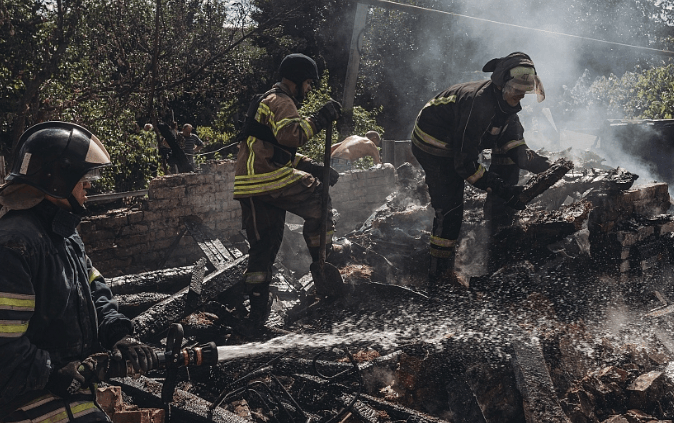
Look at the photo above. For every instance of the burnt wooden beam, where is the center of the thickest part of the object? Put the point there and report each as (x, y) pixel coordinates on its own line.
(217, 252)
(539, 398)
(544, 180)
(159, 317)
(165, 280)
(185, 407)
(132, 305)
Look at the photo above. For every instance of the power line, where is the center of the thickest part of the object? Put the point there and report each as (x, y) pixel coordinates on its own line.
(418, 9)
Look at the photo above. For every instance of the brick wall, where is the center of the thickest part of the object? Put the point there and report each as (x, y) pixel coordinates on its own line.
(127, 241)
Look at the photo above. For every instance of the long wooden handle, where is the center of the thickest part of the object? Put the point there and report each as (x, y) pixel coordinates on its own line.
(324, 198)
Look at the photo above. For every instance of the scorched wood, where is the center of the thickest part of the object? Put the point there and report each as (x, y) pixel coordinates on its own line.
(160, 316)
(541, 182)
(165, 280)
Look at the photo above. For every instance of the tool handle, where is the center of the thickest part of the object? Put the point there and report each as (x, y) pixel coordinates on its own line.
(324, 199)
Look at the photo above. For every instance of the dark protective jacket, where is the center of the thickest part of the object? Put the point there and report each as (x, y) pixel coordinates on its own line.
(54, 305)
(468, 118)
(260, 169)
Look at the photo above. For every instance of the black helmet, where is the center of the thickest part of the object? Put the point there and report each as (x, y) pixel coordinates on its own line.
(54, 156)
(298, 68)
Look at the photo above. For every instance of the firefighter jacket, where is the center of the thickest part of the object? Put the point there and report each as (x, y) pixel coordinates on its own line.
(54, 305)
(462, 121)
(265, 168)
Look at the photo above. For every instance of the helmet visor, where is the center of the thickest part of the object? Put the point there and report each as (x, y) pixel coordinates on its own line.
(92, 175)
(524, 81)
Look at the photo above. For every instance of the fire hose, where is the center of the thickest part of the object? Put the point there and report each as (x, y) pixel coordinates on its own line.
(171, 359)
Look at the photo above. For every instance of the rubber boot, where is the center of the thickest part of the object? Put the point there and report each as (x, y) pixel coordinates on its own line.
(260, 308)
(338, 253)
(442, 274)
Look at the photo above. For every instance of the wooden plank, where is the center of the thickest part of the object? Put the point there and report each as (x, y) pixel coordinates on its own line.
(159, 317)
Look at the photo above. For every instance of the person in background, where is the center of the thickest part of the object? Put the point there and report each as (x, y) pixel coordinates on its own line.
(190, 143)
(56, 310)
(343, 154)
(271, 178)
(450, 132)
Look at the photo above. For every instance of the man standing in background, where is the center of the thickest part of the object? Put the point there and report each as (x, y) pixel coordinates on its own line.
(190, 143)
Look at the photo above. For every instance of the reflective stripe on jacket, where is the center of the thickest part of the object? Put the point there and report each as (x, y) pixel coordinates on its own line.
(257, 172)
(462, 121)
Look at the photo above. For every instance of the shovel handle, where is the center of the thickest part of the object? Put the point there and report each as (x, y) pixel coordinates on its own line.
(324, 199)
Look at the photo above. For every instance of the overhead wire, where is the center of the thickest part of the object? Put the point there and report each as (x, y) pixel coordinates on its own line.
(417, 9)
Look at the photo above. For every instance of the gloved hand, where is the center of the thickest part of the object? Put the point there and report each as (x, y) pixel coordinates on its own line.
(66, 381)
(511, 193)
(330, 112)
(316, 170)
(142, 357)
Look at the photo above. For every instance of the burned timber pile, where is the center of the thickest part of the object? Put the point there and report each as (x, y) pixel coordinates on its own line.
(566, 318)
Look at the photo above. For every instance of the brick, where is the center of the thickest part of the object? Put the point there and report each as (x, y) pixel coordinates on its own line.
(132, 416)
(110, 399)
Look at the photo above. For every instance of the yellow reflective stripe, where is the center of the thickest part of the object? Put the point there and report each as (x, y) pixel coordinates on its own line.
(442, 242)
(265, 111)
(298, 157)
(250, 163)
(508, 146)
(13, 328)
(442, 253)
(59, 415)
(256, 277)
(20, 302)
(477, 175)
(315, 241)
(246, 188)
(440, 101)
(306, 127)
(94, 274)
(278, 173)
(429, 139)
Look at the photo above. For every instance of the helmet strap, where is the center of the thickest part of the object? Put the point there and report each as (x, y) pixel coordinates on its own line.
(75, 206)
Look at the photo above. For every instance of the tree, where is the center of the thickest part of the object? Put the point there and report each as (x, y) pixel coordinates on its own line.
(34, 41)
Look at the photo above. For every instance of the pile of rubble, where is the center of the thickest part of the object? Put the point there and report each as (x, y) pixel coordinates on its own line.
(566, 317)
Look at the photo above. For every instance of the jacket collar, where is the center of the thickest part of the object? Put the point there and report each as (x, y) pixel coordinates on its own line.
(503, 105)
(60, 221)
(286, 90)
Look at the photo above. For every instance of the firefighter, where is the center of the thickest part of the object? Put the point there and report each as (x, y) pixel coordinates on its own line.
(272, 178)
(452, 129)
(55, 308)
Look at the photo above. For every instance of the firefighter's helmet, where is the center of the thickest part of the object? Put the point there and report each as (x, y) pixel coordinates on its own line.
(54, 156)
(298, 68)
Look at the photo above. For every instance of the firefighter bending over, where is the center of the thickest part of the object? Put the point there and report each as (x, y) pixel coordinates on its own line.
(450, 132)
(55, 308)
(272, 178)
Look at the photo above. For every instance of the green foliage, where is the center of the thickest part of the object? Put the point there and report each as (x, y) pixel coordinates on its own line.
(214, 141)
(642, 94)
(363, 120)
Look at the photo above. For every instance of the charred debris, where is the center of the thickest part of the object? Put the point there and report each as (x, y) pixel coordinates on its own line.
(567, 316)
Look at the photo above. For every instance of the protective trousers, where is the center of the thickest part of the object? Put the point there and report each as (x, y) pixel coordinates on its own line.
(495, 211)
(264, 221)
(445, 187)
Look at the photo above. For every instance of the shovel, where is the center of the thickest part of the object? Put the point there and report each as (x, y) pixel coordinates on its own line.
(327, 278)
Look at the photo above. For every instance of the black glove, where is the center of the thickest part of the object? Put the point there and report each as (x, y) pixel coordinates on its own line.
(327, 114)
(316, 170)
(511, 193)
(142, 357)
(66, 381)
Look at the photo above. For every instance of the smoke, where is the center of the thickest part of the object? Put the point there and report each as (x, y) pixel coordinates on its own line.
(570, 44)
